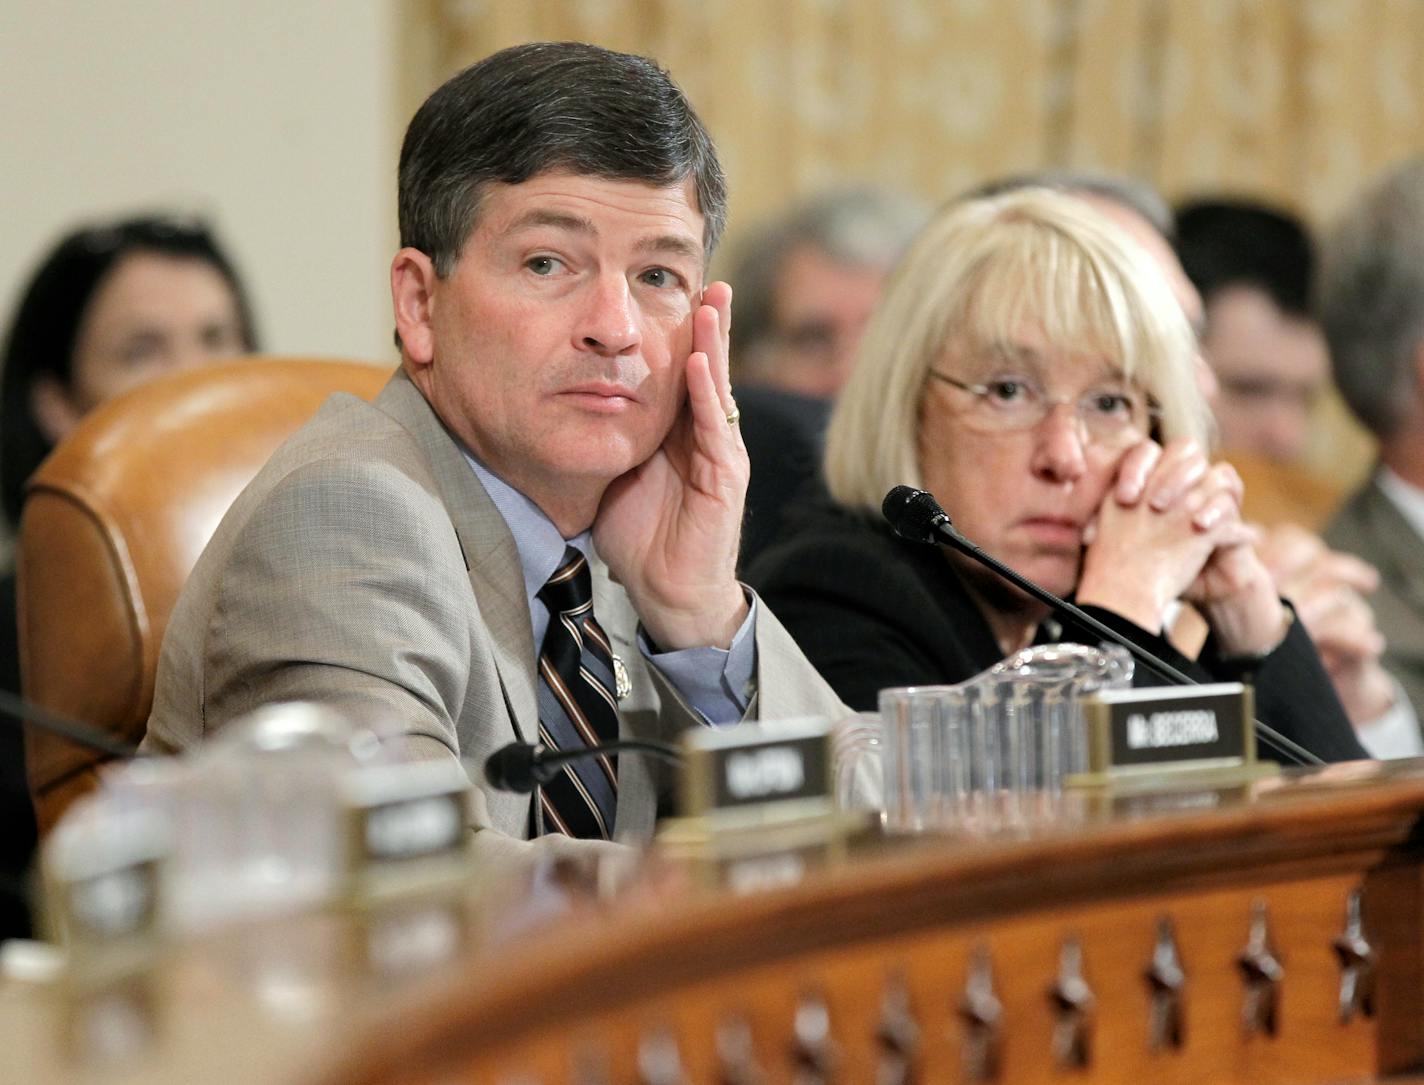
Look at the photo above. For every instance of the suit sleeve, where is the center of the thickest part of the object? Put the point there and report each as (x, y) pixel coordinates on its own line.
(788, 683)
(853, 616)
(347, 589)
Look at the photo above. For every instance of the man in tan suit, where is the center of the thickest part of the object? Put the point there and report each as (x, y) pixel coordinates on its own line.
(562, 404)
(1372, 308)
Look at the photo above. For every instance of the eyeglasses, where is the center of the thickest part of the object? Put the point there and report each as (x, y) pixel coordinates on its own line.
(1111, 413)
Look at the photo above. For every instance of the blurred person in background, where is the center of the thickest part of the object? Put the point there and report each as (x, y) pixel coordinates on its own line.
(1372, 308)
(1030, 366)
(806, 284)
(110, 307)
(1254, 267)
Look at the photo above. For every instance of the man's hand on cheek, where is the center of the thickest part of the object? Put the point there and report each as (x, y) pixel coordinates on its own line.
(669, 529)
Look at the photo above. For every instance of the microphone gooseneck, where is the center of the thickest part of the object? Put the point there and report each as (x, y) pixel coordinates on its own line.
(917, 516)
(522, 766)
(15, 708)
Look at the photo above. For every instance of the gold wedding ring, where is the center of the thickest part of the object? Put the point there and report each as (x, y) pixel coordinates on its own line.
(734, 415)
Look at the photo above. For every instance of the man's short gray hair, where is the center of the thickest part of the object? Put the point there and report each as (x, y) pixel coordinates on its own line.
(861, 226)
(1371, 292)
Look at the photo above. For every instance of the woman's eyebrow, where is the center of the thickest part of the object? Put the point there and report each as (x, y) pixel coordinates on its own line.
(1009, 352)
(1033, 362)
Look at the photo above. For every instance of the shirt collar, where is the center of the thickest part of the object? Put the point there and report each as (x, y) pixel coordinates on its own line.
(540, 546)
(1408, 498)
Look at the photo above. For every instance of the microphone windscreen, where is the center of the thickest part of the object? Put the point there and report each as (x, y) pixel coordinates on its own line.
(913, 513)
(511, 768)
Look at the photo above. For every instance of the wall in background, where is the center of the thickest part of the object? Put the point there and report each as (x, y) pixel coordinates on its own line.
(1296, 100)
(274, 118)
(1299, 101)
(281, 118)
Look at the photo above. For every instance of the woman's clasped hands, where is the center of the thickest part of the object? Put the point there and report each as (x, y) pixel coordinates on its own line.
(1170, 528)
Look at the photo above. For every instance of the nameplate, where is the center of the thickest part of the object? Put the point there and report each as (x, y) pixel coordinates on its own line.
(117, 903)
(775, 769)
(410, 937)
(407, 811)
(104, 880)
(1137, 732)
(112, 1019)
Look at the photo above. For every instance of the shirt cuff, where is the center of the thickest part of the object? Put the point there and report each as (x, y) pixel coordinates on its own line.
(716, 682)
(1395, 733)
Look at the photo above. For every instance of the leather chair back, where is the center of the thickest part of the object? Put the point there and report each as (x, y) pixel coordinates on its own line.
(113, 522)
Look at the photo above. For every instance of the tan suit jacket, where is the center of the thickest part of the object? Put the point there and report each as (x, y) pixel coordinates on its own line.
(366, 568)
(1371, 525)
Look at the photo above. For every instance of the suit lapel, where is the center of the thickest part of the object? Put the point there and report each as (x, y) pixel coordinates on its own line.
(496, 576)
(1399, 542)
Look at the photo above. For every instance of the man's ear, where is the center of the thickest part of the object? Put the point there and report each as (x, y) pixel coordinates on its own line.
(412, 292)
(53, 408)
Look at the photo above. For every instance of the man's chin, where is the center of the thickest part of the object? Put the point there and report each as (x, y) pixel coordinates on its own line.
(604, 460)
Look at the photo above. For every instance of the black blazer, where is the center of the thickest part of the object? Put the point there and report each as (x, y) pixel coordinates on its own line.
(872, 610)
(784, 435)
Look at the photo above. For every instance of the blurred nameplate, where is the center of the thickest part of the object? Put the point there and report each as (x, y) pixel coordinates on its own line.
(1143, 737)
(103, 882)
(757, 772)
(405, 816)
(401, 940)
(116, 903)
(113, 1025)
(755, 858)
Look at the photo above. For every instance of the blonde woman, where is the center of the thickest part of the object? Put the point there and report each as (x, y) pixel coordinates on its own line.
(1029, 366)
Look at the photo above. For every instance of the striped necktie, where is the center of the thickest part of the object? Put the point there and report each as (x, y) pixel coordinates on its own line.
(576, 705)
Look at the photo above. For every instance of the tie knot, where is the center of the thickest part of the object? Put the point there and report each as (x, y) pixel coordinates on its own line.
(571, 587)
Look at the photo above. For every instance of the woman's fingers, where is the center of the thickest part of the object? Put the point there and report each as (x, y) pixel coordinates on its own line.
(1217, 494)
(1133, 471)
(1341, 620)
(1180, 468)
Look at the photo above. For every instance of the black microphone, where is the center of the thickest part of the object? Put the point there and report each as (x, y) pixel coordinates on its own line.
(917, 516)
(521, 766)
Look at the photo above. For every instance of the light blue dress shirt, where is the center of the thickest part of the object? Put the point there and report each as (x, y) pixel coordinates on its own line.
(714, 681)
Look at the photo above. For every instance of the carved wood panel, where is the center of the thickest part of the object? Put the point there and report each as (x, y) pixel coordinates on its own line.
(843, 998)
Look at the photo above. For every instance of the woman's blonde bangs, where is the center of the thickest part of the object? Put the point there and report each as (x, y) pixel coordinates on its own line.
(1035, 280)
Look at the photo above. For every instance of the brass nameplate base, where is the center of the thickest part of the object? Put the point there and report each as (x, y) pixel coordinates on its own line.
(757, 804)
(757, 774)
(407, 828)
(1143, 739)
